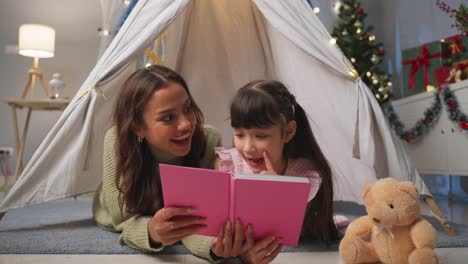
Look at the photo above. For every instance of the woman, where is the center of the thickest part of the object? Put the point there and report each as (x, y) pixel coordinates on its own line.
(156, 121)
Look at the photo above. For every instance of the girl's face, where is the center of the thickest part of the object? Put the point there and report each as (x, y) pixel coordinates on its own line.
(169, 120)
(251, 143)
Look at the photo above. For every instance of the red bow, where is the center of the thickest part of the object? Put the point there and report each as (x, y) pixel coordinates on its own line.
(455, 45)
(421, 61)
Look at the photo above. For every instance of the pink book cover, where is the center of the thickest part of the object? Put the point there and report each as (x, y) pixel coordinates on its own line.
(205, 190)
(272, 204)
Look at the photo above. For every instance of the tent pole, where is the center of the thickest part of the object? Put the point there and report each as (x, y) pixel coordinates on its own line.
(435, 209)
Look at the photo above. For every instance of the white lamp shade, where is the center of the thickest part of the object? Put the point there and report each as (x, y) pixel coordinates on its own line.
(36, 40)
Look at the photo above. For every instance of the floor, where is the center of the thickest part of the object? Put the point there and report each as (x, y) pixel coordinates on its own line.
(454, 211)
(446, 255)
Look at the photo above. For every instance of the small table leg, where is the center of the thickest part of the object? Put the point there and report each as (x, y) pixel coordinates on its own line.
(19, 161)
(17, 135)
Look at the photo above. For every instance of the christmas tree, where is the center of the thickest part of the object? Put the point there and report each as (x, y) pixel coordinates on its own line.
(360, 46)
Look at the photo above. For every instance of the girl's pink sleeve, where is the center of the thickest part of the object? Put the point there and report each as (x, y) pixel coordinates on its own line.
(226, 163)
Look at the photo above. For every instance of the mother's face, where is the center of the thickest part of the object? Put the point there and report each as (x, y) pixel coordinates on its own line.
(169, 120)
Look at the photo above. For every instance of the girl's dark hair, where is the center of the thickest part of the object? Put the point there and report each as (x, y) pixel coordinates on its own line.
(137, 171)
(262, 104)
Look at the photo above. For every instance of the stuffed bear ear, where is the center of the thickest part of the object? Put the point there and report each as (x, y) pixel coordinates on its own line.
(367, 188)
(410, 188)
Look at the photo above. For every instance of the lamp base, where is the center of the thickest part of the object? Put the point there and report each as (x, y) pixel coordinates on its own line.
(35, 73)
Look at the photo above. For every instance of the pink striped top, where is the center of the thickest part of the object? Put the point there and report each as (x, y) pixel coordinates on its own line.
(232, 161)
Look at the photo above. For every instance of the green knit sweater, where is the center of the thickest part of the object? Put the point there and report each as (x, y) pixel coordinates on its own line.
(134, 228)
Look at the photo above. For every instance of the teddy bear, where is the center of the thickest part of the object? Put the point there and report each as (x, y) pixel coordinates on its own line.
(397, 232)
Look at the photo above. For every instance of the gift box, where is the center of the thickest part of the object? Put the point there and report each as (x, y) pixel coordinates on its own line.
(457, 47)
(420, 63)
(442, 75)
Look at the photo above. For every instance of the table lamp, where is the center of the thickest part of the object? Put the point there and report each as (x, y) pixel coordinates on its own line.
(37, 41)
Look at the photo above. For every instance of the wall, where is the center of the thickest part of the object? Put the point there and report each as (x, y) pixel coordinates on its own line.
(76, 50)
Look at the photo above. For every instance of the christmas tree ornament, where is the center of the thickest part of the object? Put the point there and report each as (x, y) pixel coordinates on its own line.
(344, 32)
(357, 24)
(360, 10)
(375, 59)
(371, 37)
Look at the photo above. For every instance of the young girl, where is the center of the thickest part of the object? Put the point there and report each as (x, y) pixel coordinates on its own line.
(272, 135)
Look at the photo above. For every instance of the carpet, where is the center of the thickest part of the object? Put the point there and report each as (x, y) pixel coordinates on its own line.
(67, 227)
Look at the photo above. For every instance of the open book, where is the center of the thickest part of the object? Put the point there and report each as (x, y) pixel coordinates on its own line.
(272, 204)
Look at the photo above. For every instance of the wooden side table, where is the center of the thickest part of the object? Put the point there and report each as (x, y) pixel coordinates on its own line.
(30, 104)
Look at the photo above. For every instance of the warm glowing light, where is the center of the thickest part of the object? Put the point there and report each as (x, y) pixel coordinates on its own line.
(336, 6)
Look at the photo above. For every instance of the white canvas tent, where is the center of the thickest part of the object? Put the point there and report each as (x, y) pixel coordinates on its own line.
(218, 46)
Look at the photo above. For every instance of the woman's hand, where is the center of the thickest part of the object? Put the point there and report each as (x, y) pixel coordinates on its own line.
(167, 229)
(224, 246)
(262, 251)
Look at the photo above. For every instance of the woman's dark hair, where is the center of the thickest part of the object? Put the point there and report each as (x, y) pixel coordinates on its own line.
(137, 171)
(261, 104)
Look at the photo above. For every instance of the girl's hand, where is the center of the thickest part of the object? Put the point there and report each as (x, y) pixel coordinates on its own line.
(224, 246)
(165, 229)
(260, 252)
(268, 164)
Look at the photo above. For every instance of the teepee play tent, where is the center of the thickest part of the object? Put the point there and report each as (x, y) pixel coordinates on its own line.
(218, 46)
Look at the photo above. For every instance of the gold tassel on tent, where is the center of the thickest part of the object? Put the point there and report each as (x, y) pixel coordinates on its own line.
(155, 59)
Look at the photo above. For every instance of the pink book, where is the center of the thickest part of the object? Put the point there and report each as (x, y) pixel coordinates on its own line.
(273, 204)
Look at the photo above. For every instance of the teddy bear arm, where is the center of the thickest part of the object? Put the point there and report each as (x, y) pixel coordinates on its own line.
(423, 234)
(361, 227)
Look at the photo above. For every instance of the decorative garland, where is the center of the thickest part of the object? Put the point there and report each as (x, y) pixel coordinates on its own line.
(453, 108)
(431, 114)
(421, 127)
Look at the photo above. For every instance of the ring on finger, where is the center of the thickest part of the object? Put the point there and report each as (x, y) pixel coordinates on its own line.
(172, 225)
